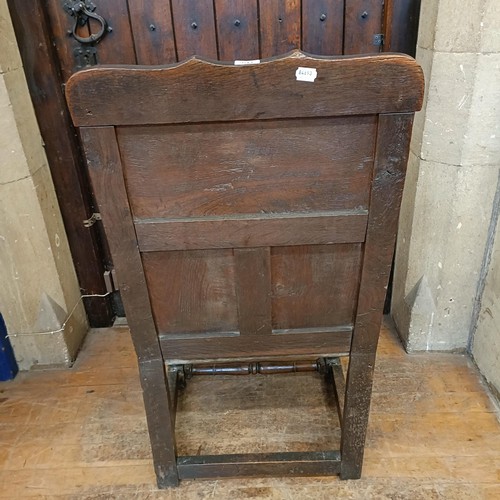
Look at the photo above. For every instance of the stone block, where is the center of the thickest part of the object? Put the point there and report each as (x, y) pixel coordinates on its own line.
(27, 266)
(36, 269)
(9, 55)
(482, 144)
(421, 313)
(490, 29)
(486, 342)
(403, 244)
(56, 234)
(458, 26)
(425, 58)
(451, 86)
(35, 262)
(25, 120)
(427, 23)
(12, 160)
(41, 350)
(449, 230)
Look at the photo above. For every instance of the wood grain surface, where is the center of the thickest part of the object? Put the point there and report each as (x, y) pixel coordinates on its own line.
(253, 289)
(322, 26)
(200, 91)
(391, 157)
(307, 278)
(152, 27)
(194, 25)
(103, 158)
(261, 167)
(280, 27)
(311, 342)
(192, 291)
(81, 433)
(194, 233)
(119, 44)
(237, 29)
(105, 169)
(363, 20)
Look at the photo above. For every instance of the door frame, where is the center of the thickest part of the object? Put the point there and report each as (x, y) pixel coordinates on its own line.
(65, 159)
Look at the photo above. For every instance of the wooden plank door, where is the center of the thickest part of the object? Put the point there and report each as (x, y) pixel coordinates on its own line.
(166, 31)
(162, 32)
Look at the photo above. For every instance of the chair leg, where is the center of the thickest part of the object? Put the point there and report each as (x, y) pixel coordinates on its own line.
(161, 426)
(356, 412)
(335, 377)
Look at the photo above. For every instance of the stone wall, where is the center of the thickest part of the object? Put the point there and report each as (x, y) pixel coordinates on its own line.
(450, 206)
(486, 339)
(453, 176)
(38, 281)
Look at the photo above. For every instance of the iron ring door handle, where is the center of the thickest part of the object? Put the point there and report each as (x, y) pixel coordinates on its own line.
(79, 11)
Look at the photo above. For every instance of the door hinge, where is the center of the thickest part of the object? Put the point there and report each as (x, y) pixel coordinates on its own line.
(92, 220)
(110, 280)
(378, 39)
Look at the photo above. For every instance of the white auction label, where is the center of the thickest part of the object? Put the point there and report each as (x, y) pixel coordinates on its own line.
(249, 61)
(306, 74)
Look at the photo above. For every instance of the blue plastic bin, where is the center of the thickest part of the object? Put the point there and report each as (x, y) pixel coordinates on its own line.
(8, 365)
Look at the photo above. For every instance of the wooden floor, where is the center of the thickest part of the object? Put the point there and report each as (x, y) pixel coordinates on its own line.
(81, 433)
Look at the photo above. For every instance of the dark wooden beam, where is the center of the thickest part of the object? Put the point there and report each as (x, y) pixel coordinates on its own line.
(319, 463)
(336, 375)
(61, 146)
(401, 26)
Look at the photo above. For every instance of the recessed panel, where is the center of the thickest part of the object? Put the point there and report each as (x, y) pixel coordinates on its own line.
(260, 167)
(314, 286)
(192, 291)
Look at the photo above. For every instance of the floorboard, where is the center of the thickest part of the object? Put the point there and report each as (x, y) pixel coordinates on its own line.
(81, 433)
